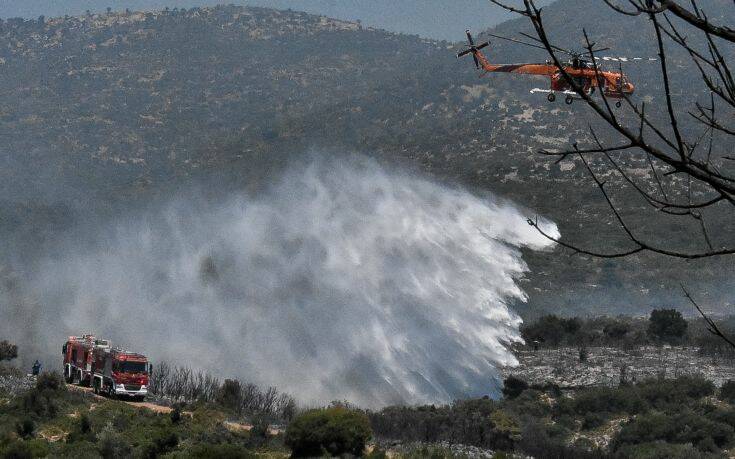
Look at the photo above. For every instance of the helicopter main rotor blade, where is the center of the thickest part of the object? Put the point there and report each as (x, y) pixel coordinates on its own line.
(469, 37)
(482, 45)
(557, 48)
(625, 59)
(594, 51)
(465, 52)
(517, 41)
(477, 63)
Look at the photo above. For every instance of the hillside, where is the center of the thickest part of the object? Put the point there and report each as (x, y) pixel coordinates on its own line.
(106, 111)
(429, 19)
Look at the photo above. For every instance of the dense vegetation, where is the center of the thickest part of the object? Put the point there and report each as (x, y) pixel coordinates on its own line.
(682, 418)
(51, 420)
(663, 326)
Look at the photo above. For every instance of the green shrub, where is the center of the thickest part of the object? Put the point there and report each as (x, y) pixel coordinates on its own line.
(727, 391)
(659, 450)
(166, 442)
(49, 381)
(336, 431)
(607, 400)
(78, 449)
(175, 415)
(682, 390)
(552, 330)
(112, 445)
(25, 428)
(8, 351)
(17, 450)
(687, 427)
(25, 449)
(221, 451)
(593, 420)
(83, 431)
(513, 387)
(542, 440)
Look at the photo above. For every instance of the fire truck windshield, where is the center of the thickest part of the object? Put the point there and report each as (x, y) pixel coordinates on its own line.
(130, 367)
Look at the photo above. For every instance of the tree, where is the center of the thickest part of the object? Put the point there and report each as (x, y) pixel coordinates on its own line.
(687, 150)
(230, 394)
(667, 325)
(8, 351)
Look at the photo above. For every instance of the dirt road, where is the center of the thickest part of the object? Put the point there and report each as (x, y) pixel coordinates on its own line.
(232, 426)
(151, 406)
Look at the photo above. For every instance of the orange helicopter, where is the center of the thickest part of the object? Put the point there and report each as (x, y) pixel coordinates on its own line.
(587, 75)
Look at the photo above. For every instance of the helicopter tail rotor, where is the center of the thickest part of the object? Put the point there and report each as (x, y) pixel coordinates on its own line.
(472, 48)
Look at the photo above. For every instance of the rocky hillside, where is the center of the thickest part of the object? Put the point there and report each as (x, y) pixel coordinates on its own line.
(106, 110)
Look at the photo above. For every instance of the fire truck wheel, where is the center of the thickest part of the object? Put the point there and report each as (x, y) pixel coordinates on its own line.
(569, 100)
(551, 97)
(618, 104)
(96, 387)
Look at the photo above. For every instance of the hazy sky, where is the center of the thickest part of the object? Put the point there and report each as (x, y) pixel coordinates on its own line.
(439, 19)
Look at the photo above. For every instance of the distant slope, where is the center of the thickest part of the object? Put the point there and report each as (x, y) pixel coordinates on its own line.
(102, 110)
(435, 19)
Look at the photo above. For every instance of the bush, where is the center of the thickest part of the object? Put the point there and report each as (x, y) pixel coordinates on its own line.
(41, 400)
(593, 421)
(25, 449)
(687, 427)
(112, 445)
(333, 431)
(175, 415)
(607, 400)
(675, 391)
(222, 451)
(548, 441)
(513, 387)
(49, 381)
(161, 445)
(25, 428)
(727, 391)
(658, 450)
(8, 351)
(17, 450)
(552, 330)
(83, 433)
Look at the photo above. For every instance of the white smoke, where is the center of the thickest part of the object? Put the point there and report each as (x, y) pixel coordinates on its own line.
(343, 281)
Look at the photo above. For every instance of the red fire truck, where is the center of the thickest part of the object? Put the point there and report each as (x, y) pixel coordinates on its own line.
(111, 371)
(78, 358)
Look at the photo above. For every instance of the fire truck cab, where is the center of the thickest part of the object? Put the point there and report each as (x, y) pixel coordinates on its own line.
(117, 372)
